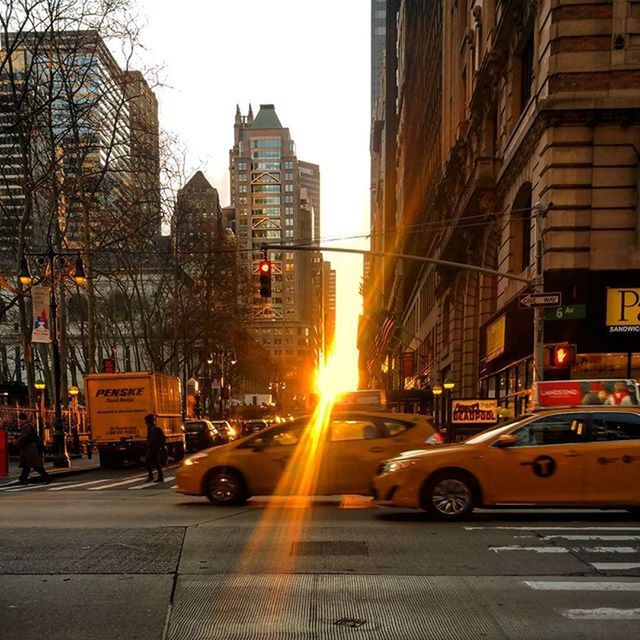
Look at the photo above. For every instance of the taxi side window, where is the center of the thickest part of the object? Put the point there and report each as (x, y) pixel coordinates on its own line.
(615, 426)
(342, 430)
(566, 428)
(284, 437)
(391, 428)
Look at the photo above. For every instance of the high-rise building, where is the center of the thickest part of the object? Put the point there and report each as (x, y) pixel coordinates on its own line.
(378, 43)
(328, 304)
(276, 201)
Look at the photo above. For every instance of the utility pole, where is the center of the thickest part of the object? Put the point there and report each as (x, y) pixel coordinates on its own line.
(539, 213)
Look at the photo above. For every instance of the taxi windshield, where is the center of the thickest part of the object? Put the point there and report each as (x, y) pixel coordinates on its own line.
(492, 432)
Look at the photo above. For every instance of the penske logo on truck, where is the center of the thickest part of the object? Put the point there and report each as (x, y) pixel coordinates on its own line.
(120, 392)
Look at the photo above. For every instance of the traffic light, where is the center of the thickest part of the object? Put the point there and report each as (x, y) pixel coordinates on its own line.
(265, 278)
(561, 356)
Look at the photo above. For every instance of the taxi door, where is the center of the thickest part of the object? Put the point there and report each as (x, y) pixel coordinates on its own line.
(545, 466)
(356, 445)
(612, 460)
(265, 458)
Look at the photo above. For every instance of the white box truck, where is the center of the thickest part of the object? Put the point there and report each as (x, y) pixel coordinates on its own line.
(117, 404)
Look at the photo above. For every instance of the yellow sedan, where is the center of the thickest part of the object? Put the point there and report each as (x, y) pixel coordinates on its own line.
(336, 456)
(588, 456)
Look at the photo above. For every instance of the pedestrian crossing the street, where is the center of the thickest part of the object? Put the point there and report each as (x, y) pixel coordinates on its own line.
(137, 482)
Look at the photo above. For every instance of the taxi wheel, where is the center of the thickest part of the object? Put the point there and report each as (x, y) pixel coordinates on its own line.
(449, 496)
(225, 488)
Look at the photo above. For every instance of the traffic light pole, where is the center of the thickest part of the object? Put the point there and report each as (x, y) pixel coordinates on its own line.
(539, 213)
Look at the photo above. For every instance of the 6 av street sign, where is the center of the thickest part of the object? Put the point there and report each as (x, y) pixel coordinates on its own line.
(530, 300)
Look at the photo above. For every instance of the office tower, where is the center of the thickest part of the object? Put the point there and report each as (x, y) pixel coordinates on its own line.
(276, 200)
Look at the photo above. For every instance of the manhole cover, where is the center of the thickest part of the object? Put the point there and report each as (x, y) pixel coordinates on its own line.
(329, 548)
(350, 622)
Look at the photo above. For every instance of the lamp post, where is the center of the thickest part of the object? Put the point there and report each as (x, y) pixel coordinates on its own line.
(55, 260)
(73, 394)
(224, 358)
(448, 388)
(40, 387)
(437, 414)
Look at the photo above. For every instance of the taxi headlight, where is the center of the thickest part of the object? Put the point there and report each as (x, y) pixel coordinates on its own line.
(195, 458)
(399, 465)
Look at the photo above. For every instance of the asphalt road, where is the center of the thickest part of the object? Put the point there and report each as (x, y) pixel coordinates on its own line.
(105, 555)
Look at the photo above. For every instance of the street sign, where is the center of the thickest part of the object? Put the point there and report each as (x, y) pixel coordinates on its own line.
(568, 312)
(530, 300)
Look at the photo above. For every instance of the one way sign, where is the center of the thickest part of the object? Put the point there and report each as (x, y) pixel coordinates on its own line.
(530, 300)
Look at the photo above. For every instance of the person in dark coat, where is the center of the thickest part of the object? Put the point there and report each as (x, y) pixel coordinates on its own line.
(156, 447)
(30, 446)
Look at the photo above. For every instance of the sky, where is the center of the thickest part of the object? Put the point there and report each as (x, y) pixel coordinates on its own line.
(311, 59)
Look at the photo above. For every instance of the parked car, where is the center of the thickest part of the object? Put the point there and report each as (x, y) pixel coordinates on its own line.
(347, 451)
(582, 457)
(202, 434)
(226, 431)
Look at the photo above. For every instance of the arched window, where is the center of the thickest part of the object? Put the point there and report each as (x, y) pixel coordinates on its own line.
(520, 230)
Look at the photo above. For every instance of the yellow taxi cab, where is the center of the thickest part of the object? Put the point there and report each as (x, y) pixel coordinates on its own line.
(352, 446)
(584, 456)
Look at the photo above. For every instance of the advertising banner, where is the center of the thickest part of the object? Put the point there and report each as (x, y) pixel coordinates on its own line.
(474, 412)
(575, 393)
(623, 311)
(496, 332)
(408, 364)
(41, 327)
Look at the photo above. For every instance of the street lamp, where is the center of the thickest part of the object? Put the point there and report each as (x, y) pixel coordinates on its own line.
(60, 260)
(40, 387)
(222, 357)
(437, 392)
(449, 385)
(73, 394)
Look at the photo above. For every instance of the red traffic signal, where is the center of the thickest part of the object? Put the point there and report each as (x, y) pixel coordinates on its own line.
(561, 356)
(264, 269)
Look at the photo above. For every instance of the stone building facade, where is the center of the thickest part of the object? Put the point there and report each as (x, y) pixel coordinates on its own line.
(503, 104)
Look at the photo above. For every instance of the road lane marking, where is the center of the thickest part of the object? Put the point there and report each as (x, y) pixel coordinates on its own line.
(147, 485)
(607, 549)
(73, 485)
(517, 547)
(603, 613)
(117, 484)
(33, 486)
(550, 585)
(595, 537)
(615, 566)
(529, 528)
(175, 486)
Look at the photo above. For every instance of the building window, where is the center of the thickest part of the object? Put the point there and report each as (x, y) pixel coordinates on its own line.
(288, 176)
(288, 187)
(242, 188)
(288, 222)
(520, 232)
(288, 233)
(242, 166)
(526, 72)
(242, 177)
(288, 164)
(261, 143)
(288, 199)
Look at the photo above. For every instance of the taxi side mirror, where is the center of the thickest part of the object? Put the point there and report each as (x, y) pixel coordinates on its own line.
(506, 440)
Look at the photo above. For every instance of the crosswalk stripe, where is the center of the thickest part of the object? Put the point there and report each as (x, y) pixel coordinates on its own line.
(602, 613)
(593, 537)
(29, 487)
(516, 547)
(615, 566)
(530, 528)
(73, 485)
(146, 485)
(609, 549)
(564, 585)
(117, 484)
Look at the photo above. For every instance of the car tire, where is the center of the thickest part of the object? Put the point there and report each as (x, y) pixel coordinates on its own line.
(178, 452)
(449, 496)
(225, 488)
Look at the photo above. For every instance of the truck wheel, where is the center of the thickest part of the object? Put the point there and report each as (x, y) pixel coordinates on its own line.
(225, 488)
(178, 452)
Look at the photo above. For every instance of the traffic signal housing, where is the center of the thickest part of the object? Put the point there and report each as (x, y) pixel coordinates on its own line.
(264, 270)
(560, 356)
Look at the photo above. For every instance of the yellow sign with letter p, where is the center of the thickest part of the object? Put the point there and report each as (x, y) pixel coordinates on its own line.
(623, 310)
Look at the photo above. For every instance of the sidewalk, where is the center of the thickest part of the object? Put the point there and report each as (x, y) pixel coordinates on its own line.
(78, 465)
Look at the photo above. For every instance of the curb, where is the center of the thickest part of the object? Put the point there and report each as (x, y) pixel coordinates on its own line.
(62, 472)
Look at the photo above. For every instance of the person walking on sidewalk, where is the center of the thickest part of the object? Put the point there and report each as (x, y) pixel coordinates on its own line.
(31, 449)
(156, 448)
